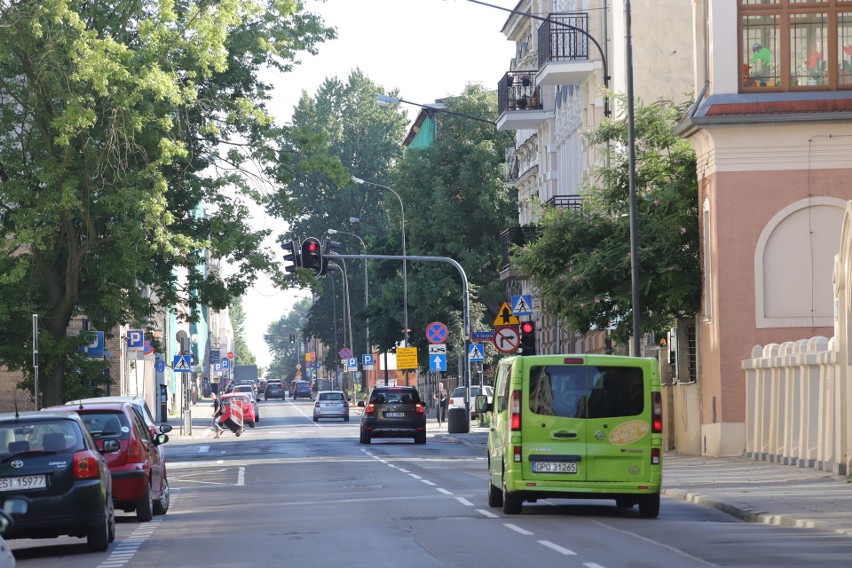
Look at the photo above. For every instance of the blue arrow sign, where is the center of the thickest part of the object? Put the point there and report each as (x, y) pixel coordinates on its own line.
(437, 362)
(477, 352)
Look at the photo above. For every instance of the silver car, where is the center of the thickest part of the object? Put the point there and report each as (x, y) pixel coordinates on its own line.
(331, 404)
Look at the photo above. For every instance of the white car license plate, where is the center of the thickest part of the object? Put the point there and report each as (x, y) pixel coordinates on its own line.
(554, 467)
(24, 482)
(394, 414)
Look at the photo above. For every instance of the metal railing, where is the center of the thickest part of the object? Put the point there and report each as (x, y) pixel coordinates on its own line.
(574, 202)
(561, 43)
(516, 90)
(515, 236)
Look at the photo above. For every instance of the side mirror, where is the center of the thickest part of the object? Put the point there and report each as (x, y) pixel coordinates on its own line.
(165, 428)
(161, 439)
(110, 446)
(361, 403)
(481, 404)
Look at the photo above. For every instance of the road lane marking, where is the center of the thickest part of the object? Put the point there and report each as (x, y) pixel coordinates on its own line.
(403, 470)
(488, 514)
(126, 549)
(415, 476)
(427, 482)
(444, 491)
(241, 476)
(464, 501)
(517, 529)
(557, 548)
(203, 449)
(592, 565)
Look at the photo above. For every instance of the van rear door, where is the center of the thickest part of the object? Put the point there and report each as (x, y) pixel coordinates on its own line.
(555, 430)
(618, 428)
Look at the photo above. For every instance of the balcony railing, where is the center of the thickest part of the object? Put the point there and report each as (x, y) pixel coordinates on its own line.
(519, 101)
(563, 50)
(574, 202)
(519, 236)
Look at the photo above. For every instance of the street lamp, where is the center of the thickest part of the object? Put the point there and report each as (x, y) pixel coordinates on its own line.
(359, 181)
(387, 100)
(631, 147)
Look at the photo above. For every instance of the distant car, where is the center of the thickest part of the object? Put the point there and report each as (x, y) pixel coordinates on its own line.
(249, 406)
(302, 390)
(457, 397)
(50, 460)
(394, 412)
(331, 404)
(274, 389)
(139, 478)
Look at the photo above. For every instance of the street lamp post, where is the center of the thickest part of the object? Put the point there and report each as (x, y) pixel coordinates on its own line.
(369, 349)
(404, 254)
(631, 148)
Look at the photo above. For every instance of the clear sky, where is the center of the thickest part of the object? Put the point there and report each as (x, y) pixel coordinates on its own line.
(427, 49)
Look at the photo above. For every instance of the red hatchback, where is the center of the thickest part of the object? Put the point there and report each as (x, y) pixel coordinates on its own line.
(139, 481)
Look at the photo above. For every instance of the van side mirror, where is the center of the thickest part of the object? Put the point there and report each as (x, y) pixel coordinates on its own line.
(481, 404)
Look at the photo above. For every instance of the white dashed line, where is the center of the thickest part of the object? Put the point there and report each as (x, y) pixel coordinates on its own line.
(516, 528)
(427, 482)
(403, 470)
(444, 491)
(415, 476)
(241, 476)
(464, 501)
(557, 548)
(488, 514)
(592, 565)
(126, 549)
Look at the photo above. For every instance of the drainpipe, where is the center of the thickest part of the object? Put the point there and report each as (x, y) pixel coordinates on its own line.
(705, 59)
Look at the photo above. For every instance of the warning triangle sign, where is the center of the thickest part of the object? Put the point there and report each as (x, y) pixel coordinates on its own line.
(505, 316)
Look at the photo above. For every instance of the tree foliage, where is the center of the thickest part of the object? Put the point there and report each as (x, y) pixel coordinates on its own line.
(580, 263)
(286, 355)
(134, 133)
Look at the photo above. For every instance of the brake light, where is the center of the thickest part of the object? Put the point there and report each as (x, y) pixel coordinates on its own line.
(516, 410)
(316, 404)
(85, 465)
(655, 456)
(134, 451)
(656, 413)
(573, 361)
(517, 454)
(419, 408)
(371, 409)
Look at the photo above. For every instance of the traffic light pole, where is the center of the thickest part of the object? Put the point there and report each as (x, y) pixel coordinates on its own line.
(465, 308)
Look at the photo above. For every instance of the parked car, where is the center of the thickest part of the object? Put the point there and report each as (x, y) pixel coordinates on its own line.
(457, 398)
(302, 390)
(331, 404)
(139, 478)
(394, 412)
(50, 460)
(249, 406)
(274, 389)
(137, 401)
(245, 389)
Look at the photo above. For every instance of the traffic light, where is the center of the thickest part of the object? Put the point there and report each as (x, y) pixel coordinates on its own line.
(527, 346)
(328, 248)
(312, 255)
(291, 254)
(292, 338)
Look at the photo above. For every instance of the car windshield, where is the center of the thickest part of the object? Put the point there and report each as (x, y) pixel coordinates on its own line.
(49, 436)
(106, 424)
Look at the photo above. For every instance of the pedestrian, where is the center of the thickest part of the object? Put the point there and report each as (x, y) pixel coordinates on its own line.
(217, 412)
(443, 400)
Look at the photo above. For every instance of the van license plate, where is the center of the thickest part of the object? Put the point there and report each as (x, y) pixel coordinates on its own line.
(554, 467)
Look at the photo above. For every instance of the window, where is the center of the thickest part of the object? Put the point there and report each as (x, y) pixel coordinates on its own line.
(790, 45)
(587, 392)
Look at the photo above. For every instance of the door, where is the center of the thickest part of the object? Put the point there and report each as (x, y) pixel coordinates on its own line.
(498, 435)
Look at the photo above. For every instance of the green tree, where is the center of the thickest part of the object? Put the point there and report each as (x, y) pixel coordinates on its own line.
(580, 264)
(242, 350)
(286, 355)
(129, 128)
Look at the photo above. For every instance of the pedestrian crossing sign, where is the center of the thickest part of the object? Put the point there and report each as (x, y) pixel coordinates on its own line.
(477, 352)
(182, 364)
(522, 305)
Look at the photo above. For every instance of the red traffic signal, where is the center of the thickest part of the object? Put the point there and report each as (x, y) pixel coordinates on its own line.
(527, 345)
(312, 255)
(527, 327)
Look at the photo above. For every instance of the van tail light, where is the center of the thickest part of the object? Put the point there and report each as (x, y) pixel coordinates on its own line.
(516, 410)
(316, 404)
(370, 410)
(657, 413)
(655, 456)
(419, 408)
(517, 454)
(85, 465)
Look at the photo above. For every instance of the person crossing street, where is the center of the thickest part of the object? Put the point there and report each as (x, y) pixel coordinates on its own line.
(217, 412)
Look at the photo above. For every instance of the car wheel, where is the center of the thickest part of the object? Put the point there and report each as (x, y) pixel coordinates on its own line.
(111, 525)
(495, 496)
(649, 506)
(512, 502)
(97, 539)
(161, 505)
(251, 424)
(420, 438)
(316, 419)
(365, 438)
(145, 507)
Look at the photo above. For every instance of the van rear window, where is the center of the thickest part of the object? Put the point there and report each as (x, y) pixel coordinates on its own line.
(586, 392)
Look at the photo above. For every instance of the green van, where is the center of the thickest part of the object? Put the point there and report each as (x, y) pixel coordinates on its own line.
(575, 427)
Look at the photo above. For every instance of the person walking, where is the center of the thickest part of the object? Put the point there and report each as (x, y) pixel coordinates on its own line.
(217, 412)
(443, 399)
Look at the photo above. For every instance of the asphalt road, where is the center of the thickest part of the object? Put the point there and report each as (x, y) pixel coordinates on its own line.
(292, 492)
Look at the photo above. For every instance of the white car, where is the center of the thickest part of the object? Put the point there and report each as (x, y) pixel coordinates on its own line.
(457, 397)
(331, 404)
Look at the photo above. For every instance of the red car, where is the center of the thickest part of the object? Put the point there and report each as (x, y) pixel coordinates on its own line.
(139, 481)
(249, 416)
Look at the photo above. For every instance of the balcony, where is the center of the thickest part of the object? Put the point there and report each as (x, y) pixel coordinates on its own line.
(519, 102)
(514, 236)
(563, 51)
(574, 202)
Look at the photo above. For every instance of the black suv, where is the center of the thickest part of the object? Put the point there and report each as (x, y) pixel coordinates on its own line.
(394, 412)
(274, 389)
(51, 461)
